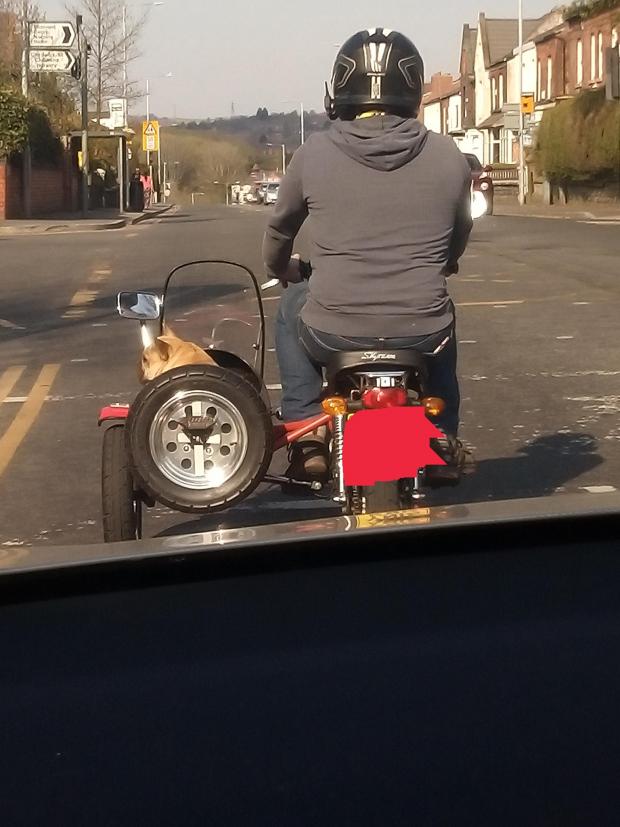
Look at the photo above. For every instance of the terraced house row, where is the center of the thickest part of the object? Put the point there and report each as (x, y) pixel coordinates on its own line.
(565, 52)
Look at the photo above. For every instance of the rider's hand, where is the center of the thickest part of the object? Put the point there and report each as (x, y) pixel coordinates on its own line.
(293, 272)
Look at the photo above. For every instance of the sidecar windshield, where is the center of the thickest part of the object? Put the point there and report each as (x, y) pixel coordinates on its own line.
(217, 306)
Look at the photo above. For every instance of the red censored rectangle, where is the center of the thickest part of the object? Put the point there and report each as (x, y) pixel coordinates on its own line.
(388, 444)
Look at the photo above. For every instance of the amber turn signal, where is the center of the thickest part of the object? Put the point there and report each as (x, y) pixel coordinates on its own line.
(334, 406)
(434, 405)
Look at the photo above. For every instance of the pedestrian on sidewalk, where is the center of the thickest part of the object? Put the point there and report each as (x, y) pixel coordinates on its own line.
(136, 193)
(147, 182)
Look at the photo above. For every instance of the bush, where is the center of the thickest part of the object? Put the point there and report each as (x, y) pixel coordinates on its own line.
(46, 148)
(584, 9)
(579, 140)
(13, 123)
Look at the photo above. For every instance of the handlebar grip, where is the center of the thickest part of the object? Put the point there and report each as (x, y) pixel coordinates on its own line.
(305, 268)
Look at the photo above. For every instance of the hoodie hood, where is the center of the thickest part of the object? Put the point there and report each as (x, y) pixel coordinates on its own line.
(382, 142)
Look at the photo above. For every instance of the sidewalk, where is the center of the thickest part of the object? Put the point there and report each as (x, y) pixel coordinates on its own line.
(508, 205)
(74, 223)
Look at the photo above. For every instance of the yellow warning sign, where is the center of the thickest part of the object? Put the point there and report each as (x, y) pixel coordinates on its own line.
(527, 104)
(150, 136)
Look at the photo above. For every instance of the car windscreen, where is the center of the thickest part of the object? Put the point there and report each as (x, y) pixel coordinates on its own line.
(474, 163)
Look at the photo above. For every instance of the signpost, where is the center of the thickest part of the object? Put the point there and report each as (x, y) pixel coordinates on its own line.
(59, 61)
(52, 35)
(150, 136)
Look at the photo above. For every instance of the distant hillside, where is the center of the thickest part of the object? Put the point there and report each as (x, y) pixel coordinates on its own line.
(259, 129)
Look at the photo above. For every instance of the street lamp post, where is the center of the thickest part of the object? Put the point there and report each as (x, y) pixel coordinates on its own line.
(302, 125)
(283, 147)
(521, 117)
(148, 118)
(125, 82)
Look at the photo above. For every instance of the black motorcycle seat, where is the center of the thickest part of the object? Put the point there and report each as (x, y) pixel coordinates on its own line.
(353, 361)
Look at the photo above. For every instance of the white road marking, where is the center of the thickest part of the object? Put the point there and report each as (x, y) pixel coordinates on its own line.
(274, 387)
(503, 281)
(99, 324)
(598, 489)
(564, 337)
(490, 304)
(79, 360)
(468, 342)
(580, 303)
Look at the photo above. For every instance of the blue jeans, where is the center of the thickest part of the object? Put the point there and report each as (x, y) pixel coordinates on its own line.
(302, 352)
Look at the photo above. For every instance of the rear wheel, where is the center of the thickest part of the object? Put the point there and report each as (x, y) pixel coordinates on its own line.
(121, 505)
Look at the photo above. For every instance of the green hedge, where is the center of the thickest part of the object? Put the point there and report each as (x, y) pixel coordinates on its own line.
(579, 140)
(584, 9)
(13, 123)
(20, 123)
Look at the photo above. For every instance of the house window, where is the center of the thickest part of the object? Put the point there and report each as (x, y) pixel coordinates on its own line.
(549, 78)
(579, 62)
(593, 57)
(501, 90)
(494, 93)
(601, 61)
(539, 82)
(614, 37)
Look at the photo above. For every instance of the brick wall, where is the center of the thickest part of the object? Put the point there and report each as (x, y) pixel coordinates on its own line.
(10, 191)
(53, 190)
(47, 191)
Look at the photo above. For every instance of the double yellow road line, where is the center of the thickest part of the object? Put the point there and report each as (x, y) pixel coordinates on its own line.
(29, 411)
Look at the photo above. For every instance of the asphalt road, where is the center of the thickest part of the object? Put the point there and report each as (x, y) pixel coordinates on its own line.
(538, 304)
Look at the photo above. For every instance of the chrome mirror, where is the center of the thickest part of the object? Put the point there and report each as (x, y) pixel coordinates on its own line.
(143, 307)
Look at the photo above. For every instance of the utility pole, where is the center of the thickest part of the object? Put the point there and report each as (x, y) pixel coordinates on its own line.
(84, 79)
(148, 118)
(301, 123)
(125, 53)
(27, 154)
(521, 114)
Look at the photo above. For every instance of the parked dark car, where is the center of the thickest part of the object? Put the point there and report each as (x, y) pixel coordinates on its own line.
(481, 180)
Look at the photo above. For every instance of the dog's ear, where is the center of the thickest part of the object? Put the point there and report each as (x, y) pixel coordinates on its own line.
(165, 346)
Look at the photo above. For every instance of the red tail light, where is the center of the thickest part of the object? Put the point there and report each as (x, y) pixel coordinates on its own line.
(384, 398)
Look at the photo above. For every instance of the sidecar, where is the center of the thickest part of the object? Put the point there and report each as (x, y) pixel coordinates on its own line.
(198, 438)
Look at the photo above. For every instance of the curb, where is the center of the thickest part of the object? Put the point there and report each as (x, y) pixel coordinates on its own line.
(148, 216)
(115, 225)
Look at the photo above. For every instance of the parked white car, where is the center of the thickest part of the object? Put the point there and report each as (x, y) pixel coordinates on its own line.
(271, 195)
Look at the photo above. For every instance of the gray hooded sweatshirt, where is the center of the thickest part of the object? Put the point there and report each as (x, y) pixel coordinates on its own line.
(389, 210)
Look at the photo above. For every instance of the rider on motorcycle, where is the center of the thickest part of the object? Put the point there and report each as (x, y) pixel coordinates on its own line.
(390, 216)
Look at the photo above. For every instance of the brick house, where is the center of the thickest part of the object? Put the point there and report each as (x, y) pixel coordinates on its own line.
(495, 44)
(469, 138)
(441, 104)
(571, 57)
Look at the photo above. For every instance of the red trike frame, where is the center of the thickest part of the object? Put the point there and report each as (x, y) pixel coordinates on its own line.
(284, 433)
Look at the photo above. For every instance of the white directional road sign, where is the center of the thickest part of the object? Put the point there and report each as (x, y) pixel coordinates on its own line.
(51, 60)
(52, 35)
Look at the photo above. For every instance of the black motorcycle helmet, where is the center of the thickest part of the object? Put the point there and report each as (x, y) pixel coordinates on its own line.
(376, 69)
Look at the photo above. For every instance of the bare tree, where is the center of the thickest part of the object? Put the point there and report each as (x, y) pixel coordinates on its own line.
(113, 34)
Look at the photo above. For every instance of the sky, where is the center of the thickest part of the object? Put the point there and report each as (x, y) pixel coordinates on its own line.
(278, 53)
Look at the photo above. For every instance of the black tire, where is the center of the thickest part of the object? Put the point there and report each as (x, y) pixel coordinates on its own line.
(121, 508)
(383, 496)
(489, 206)
(236, 389)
